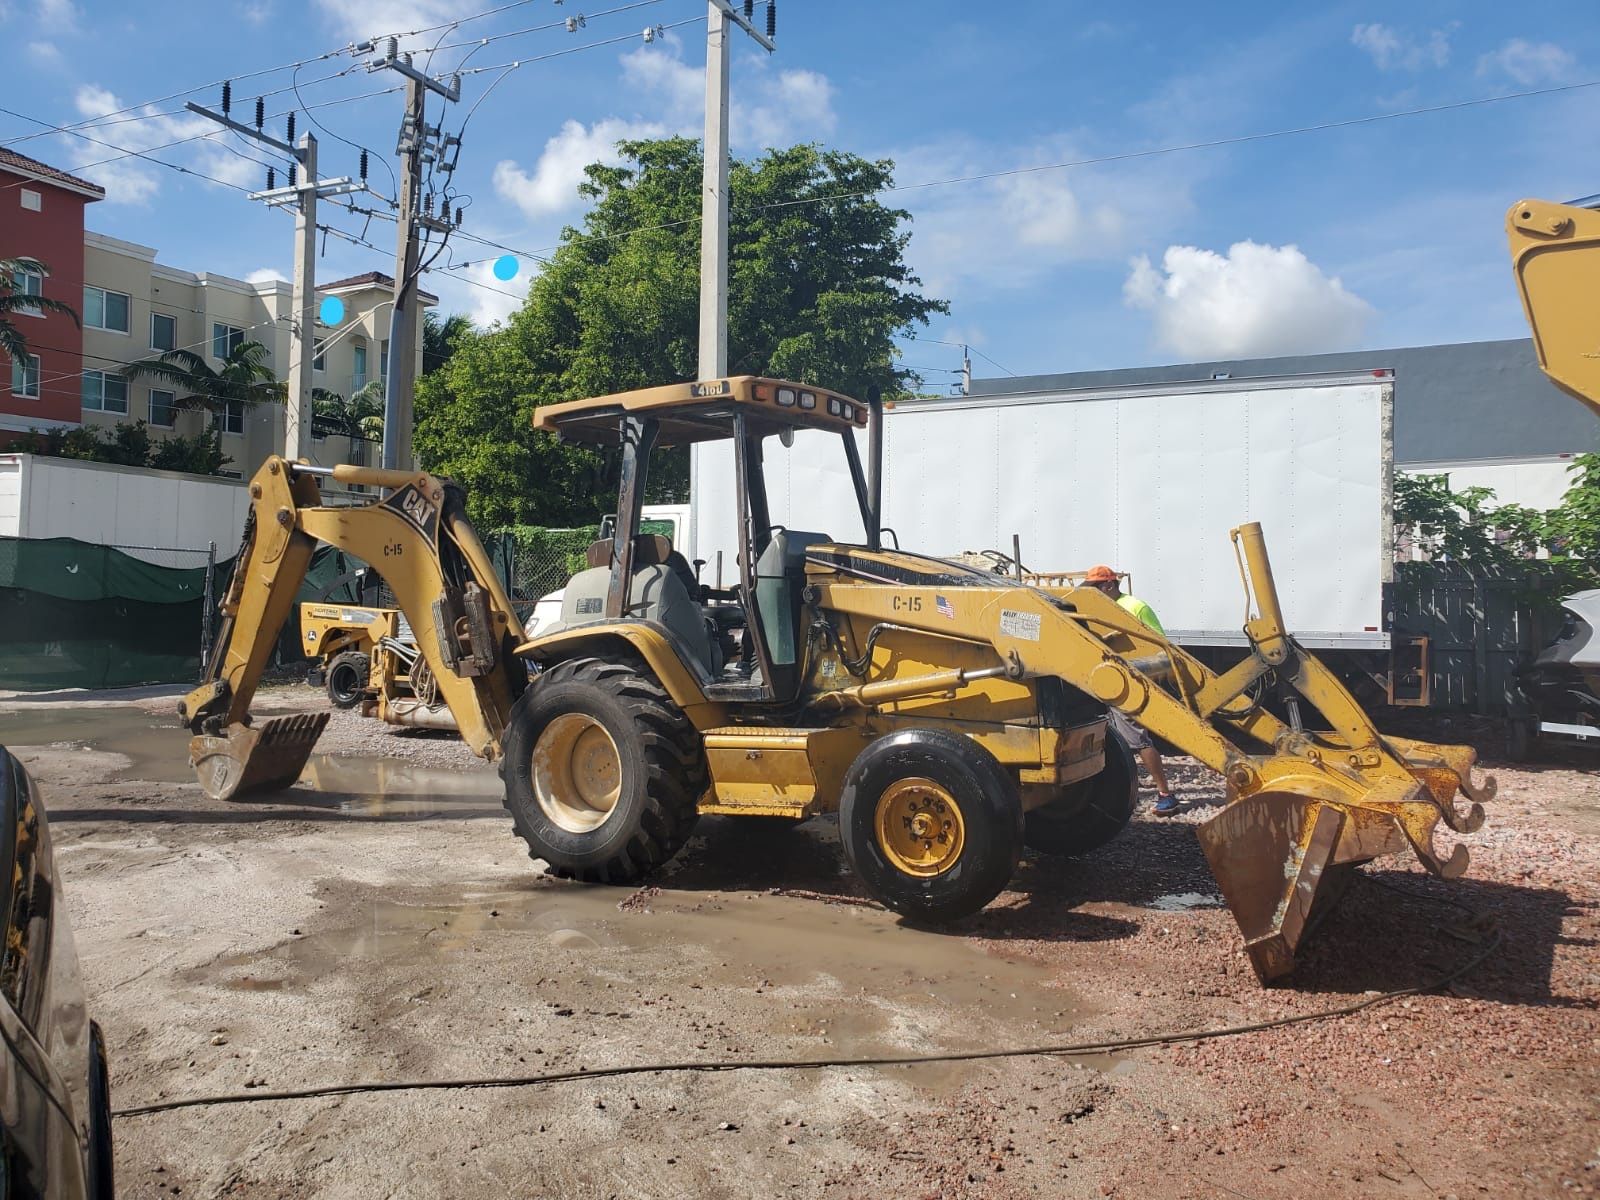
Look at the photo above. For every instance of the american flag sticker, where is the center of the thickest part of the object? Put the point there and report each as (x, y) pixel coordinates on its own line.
(946, 609)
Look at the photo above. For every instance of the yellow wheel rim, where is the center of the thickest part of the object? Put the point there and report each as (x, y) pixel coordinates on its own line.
(577, 772)
(919, 827)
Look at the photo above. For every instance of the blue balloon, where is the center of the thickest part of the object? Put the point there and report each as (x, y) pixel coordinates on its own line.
(332, 311)
(505, 267)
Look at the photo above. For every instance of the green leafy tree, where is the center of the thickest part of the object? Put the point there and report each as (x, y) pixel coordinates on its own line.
(244, 378)
(1573, 529)
(13, 302)
(818, 290)
(128, 443)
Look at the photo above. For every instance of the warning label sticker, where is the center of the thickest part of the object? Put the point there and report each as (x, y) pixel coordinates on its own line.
(1019, 624)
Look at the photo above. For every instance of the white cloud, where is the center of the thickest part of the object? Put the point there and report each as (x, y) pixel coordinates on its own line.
(1010, 233)
(360, 19)
(266, 275)
(476, 292)
(552, 185)
(44, 54)
(1258, 300)
(767, 108)
(132, 180)
(256, 12)
(1393, 49)
(57, 16)
(1529, 63)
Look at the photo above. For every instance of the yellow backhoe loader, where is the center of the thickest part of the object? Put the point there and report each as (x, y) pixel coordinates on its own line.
(950, 716)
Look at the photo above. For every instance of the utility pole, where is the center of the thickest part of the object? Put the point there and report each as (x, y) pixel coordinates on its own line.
(713, 358)
(966, 372)
(400, 379)
(414, 149)
(303, 192)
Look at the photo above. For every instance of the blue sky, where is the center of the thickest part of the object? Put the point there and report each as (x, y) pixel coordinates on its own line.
(1375, 235)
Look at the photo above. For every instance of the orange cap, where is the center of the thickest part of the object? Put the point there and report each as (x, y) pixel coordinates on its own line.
(1100, 574)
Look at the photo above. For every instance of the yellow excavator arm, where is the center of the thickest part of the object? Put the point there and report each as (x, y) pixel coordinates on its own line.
(1555, 256)
(430, 556)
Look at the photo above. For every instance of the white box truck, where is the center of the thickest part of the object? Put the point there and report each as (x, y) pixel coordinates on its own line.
(1147, 479)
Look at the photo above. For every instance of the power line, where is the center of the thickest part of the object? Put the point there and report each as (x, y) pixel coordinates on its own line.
(1096, 160)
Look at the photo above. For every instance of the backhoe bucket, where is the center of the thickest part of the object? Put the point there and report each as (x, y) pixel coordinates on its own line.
(1282, 856)
(260, 758)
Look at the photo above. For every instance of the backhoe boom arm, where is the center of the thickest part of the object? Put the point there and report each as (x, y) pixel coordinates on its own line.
(419, 539)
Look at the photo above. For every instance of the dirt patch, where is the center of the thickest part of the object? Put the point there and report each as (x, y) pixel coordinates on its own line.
(386, 924)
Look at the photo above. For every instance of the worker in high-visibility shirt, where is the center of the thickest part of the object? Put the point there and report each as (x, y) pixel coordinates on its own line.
(1106, 580)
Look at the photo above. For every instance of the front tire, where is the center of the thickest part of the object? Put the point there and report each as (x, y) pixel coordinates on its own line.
(348, 674)
(603, 772)
(1089, 813)
(931, 824)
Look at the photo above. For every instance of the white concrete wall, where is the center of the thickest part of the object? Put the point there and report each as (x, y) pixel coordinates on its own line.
(1538, 483)
(10, 495)
(121, 506)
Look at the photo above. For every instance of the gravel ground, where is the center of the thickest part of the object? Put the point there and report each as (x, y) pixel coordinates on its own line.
(387, 925)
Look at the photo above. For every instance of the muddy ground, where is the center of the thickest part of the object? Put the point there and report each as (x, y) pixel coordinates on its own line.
(381, 922)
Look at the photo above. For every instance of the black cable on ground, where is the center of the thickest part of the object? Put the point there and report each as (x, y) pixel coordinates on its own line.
(813, 1064)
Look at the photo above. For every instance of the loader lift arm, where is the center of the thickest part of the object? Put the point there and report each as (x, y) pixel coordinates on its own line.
(1303, 808)
(420, 540)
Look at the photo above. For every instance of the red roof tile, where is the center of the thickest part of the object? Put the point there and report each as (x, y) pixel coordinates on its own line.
(32, 166)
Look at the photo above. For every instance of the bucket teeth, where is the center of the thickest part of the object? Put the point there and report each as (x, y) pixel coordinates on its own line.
(244, 759)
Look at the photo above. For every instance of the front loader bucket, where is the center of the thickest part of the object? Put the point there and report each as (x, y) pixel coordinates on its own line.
(1282, 857)
(1272, 855)
(245, 758)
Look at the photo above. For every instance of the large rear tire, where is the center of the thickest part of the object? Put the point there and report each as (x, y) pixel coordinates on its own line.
(347, 678)
(1089, 813)
(603, 772)
(931, 823)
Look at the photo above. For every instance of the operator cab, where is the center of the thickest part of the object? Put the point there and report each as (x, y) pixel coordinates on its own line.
(745, 641)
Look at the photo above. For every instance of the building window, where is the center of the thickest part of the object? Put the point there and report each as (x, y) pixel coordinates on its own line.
(358, 378)
(383, 359)
(105, 392)
(163, 408)
(32, 200)
(27, 283)
(319, 361)
(225, 339)
(25, 377)
(105, 310)
(163, 332)
(231, 419)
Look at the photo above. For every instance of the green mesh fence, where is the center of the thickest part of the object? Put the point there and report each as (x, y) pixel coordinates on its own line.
(76, 615)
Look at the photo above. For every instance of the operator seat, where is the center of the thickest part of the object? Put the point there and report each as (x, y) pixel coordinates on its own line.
(658, 593)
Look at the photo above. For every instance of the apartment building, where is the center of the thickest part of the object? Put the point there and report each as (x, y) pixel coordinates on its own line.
(134, 308)
(41, 217)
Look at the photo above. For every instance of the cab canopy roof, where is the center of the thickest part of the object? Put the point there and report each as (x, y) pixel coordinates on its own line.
(703, 411)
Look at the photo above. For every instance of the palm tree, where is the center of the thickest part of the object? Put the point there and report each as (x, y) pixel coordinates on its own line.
(244, 378)
(13, 301)
(360, 417)
(439, 337)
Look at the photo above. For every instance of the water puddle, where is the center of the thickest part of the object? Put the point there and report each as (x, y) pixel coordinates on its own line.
(1183, 902)
(380, 787)
(781, 972)
(155, 745)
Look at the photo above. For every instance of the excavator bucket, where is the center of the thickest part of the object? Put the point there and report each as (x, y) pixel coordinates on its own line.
(255, 758)
(1283, 855)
